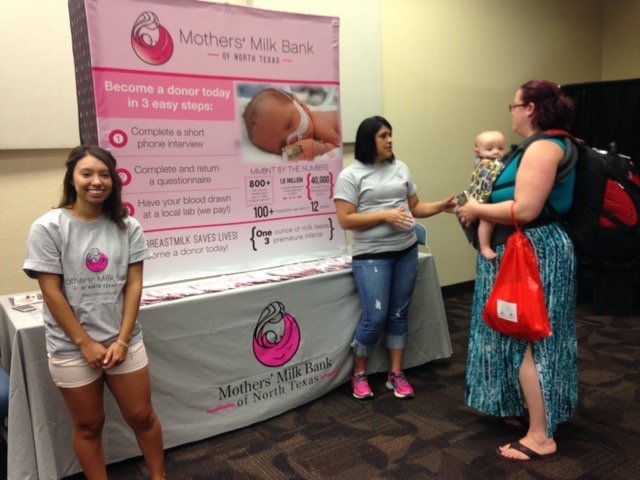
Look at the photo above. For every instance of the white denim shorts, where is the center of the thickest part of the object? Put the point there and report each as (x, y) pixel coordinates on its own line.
(75, 371)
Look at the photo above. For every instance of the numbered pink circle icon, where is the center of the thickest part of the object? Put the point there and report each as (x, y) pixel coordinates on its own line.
(129, 208)
(118, 138)
(125, 176)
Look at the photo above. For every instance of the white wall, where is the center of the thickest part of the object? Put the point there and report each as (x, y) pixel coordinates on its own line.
(449, 68)
(621, 40)
(37, 80)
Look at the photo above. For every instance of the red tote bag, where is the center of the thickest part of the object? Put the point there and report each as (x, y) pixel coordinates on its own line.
(516, 306)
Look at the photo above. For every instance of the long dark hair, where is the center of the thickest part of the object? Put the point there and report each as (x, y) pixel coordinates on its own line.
(366, 151)
(112, 206)
(553, 109)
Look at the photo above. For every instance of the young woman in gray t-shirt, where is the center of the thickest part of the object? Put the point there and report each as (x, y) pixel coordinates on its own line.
(377, 199)
(87, 256)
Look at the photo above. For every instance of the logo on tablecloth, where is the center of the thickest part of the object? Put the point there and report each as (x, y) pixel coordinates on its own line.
(151, 42)
(276, 337)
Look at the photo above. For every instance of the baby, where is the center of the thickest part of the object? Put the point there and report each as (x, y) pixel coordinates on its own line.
(489, 148)
(278, 122)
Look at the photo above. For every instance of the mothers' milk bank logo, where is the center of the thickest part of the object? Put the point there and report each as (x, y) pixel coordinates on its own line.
(151, 42)
(95, 260)
(276, 337)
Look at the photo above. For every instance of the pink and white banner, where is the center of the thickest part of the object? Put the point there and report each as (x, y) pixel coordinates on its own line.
(225, 122)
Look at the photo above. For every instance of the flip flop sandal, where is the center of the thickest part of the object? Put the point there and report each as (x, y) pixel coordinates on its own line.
(533, 456)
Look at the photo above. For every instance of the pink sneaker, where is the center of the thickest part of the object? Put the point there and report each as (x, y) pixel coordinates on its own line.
(360, 386)
(397, 382)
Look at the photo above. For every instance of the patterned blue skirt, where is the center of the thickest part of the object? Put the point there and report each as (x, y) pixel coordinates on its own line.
(494, 360)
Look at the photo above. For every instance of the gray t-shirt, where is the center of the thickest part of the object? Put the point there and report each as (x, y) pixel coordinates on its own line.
(373, 188)
(93, 259)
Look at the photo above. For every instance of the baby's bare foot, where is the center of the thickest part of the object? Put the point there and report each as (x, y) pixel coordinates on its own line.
(488, 253)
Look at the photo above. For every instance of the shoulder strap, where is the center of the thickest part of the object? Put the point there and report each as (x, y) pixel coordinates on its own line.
(568, 162)
(520, 148)
(507, 158)
(572, 145)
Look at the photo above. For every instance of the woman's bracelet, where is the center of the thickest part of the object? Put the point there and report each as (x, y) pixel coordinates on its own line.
(123, 343)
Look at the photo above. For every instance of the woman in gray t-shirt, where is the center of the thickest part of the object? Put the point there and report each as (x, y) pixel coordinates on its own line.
(377, 199)
(87, 256)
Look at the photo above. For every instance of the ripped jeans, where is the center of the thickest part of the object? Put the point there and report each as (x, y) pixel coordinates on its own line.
(385, 287)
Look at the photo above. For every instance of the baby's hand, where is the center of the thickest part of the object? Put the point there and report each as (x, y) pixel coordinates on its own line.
(293, 152)
(306, 149)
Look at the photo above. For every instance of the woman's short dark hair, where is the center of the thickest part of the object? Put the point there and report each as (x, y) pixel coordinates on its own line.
(366, 151)
(112, 207)
(553, 109)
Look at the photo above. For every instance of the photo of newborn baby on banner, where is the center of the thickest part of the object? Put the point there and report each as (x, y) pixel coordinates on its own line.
(296, 123)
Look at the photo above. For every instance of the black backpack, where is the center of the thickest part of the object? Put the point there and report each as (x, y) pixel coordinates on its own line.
(603, 222)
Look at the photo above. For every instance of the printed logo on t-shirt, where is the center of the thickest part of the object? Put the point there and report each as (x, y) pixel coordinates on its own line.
(95, 260)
